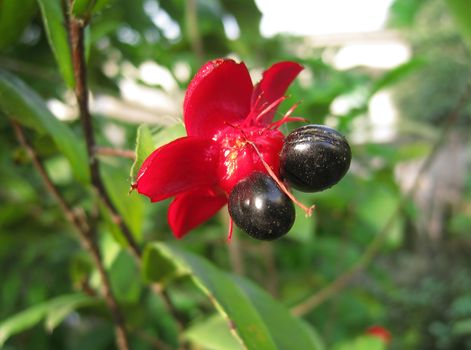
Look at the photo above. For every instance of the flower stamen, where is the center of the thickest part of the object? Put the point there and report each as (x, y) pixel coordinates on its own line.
(287, 118)
(231, 227)
(270, 107)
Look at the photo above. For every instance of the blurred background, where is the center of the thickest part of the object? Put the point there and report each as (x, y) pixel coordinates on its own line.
(391, 75)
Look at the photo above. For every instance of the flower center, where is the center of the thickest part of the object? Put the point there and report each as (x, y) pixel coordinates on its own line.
(238, 157)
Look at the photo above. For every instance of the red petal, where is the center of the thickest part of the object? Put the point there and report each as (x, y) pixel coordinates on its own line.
(191, 209)
(219, 94)
(182, 165)
(274, 83)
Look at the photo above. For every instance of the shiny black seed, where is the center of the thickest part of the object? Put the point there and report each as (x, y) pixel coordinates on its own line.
(260, 208)
(314, 158)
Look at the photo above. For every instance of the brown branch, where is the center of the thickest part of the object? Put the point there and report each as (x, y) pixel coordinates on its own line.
(86, 239)
(114, 152)
(76, 32)
(370, 253)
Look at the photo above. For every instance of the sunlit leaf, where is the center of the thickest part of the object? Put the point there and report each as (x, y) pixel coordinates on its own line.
(55, 24)
(22, 104)
(213, 334)
(146, 142)
(144, 147)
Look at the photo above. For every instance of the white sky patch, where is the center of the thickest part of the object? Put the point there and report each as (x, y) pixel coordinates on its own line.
(231, 28)
(154, 74)
(383, 114)
(384, 55)
(61, 110)
(320, 17)
(161, 19)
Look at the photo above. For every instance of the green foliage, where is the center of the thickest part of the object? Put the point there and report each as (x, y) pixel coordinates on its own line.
(14, 17)
(53, 312)
(54, 23)
(129, 204)
(257, 319)
(147, 142)
(22, 104)
(363, 343)
(417, 286)
(213, 333)
(461, 11)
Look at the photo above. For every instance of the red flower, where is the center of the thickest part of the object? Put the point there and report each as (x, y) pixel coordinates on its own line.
(379, 332)
(227, 121)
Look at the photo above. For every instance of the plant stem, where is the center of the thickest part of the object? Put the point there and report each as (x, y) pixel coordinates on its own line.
(76, 32)
(368, 256)
(86, 239)
(193, 31)
(114, 152)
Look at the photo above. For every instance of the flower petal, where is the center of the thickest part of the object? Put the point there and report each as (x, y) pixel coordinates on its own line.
(182, 165)
(191, 209)
(218, 94)
(274, 83)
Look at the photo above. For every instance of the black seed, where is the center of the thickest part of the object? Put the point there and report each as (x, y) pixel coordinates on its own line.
(260, 208)
(314, 158)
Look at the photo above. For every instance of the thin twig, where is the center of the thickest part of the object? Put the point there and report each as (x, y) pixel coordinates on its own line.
(86, 239)
(193, 31)
(268, 257)
(370, 253)
(114, 152)
(76, 32)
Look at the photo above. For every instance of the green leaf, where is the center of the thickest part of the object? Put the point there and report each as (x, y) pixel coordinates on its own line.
(363, 343)
(462, 327)
(100, 5)
(146, 143)
(83, 8)
(168, 134)
(461, 12)
(279, 320)
(130, 205)
(396, 74)
(53, 312)
(144, 147)
(55, 24)
(242, 303)
(22, 104)
(402, 13)
(125, 279)
(14, 17)
(163, 261)
(213, 334)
